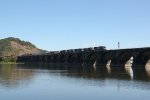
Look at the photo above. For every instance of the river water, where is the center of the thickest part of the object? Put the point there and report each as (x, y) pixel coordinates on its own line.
(57, 82)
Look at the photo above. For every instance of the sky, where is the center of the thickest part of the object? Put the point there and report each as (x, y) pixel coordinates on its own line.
(70, 24)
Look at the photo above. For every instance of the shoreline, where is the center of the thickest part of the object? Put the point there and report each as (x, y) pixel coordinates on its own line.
(10, 63)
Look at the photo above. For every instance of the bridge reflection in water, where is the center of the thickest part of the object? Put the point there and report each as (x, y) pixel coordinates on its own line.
(62, 82)
(43, 76)
(103, 72)
(13, 75)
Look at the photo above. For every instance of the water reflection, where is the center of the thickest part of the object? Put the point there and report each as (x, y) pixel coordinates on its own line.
(108, 69)
(15, 75)
(90, 72)
(11, 76)
(72, 82)
(129, 71)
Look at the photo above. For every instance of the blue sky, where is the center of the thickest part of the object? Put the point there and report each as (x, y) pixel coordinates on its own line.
(65, 24)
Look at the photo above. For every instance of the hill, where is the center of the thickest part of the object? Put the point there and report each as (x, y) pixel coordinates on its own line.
(14, 46)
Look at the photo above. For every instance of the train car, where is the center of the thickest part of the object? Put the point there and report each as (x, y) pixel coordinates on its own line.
(100, 48)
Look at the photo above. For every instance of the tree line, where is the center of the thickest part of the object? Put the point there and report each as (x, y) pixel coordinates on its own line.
(8, 59)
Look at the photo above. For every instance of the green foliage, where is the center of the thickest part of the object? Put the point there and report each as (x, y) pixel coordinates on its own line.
(1, 59)
(8, 59)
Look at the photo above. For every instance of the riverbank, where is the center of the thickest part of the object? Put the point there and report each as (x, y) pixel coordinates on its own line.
(10, 63)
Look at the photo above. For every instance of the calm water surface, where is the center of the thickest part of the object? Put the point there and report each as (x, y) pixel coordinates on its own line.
(55, 82)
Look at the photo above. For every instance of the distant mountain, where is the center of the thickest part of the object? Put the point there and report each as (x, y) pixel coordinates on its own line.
(14, 46)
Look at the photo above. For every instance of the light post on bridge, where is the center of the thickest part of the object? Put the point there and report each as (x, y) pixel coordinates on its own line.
(118, 45)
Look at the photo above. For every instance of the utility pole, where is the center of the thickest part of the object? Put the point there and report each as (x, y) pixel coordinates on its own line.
(118, 45)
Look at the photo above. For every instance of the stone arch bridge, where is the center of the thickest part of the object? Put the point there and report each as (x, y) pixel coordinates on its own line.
(92, 56)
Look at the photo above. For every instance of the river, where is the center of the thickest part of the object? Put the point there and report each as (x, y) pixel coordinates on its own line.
(58, 82)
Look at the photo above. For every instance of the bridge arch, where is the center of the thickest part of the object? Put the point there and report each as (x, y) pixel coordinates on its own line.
(143, 57)
(91, 58)
(62, 58)
(79, 58)
(54, 58)
(71, 58)
(126, 58)
(44, 58)
(105, 58)
(49, 58)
